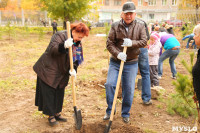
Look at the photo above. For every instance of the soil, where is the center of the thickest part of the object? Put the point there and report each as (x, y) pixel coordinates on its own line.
(19, 114)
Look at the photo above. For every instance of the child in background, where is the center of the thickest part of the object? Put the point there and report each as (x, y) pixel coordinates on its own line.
(154, 51)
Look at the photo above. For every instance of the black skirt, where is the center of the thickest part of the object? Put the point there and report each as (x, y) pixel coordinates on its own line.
(49, 100)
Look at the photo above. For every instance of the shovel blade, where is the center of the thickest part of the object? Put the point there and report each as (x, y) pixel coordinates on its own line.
(78, 119)
(108, 127)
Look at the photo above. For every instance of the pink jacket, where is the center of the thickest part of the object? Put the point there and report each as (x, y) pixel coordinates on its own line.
(154, 51)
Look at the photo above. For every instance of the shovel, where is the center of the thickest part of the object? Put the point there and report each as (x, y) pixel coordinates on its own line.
(77, 113)
(107, 129)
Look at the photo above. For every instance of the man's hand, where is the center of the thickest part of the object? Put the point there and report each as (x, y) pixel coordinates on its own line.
(122, 56)
(127, 42)
(72, 73)
(68, 43)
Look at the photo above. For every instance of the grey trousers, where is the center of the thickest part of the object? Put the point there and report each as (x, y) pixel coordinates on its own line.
(154, 75)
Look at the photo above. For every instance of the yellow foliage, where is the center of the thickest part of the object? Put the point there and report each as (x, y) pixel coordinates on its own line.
(30, 4)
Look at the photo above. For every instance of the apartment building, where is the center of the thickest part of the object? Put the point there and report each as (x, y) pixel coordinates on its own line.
(148, 10)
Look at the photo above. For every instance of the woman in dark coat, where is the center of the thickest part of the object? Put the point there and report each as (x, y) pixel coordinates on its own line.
(53, 71)
(196, 67)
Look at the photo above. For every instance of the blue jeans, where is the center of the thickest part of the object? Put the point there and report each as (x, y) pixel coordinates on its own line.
(171, 54)
(128, 85)
(193, 44)
(143, 63)
(190, 37)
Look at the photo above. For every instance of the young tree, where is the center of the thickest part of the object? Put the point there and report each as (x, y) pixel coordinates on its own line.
(184, 101)
(67, 10)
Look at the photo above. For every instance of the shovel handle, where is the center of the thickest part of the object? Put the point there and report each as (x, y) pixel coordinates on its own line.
(117, 86)
(71, 65)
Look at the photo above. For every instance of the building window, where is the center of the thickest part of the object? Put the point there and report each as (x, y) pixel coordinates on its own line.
(117, 2)
(140, 2)
(151, 16)
(174, 2)
(106, 2)
(152, 2)
(164, 2)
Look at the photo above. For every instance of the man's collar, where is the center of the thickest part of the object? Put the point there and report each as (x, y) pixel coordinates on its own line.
(126, 25)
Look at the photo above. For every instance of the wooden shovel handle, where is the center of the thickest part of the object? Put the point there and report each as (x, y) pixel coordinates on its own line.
(71, 65)
(117, 86)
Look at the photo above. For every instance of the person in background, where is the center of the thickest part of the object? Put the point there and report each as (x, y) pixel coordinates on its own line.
(196, 67)
(54, 26)
(153, 52)
(172, 49)
(130, 33)
(162, 28)
(157, 29)
(184, 27)
(154, 25)
(53, 71)
(190, 38)
(44, 22)
(169, 29)
(143, 64)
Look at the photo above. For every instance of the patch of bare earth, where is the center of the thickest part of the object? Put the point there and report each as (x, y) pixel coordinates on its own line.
(18, 113)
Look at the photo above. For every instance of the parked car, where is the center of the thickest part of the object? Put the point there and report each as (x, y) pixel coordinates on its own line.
(176, 23)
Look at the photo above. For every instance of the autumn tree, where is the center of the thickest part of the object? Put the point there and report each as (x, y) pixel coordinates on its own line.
(3, 3)
(67, 10)
(30, 4)
(190, 4)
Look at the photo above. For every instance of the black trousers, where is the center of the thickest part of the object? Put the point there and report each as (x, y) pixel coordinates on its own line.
(54, 30)
(48, 99)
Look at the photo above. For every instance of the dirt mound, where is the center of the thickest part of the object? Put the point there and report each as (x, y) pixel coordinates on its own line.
(117, 127)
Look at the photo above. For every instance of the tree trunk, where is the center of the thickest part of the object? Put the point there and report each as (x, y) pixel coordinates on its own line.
(23, 19)
(0, 18)
(197, 7)
(64, 25)
(64, 22)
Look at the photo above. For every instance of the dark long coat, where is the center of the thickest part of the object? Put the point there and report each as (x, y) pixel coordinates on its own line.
(53, 66)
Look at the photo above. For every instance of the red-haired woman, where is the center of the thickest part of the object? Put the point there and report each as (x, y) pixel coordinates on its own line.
(53, 71)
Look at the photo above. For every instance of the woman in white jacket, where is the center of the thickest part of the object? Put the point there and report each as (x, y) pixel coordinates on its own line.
(154, 51)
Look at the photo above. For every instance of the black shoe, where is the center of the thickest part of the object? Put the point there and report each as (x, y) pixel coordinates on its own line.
(126, 119)
(52, 123)
(106, 117)
(60, 118)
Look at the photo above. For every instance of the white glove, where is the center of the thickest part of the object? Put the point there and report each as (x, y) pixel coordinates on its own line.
(72, 73)
(68, 43)
(122, 56)
(127, 42)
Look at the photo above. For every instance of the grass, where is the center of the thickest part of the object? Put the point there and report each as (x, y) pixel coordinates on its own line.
(98, 30)
(38, 114)
(19, 56)
(16, 83)
(159, 106)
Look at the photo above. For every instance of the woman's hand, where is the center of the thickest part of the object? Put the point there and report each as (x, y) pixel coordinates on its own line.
(72, 73)
(68, 43)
